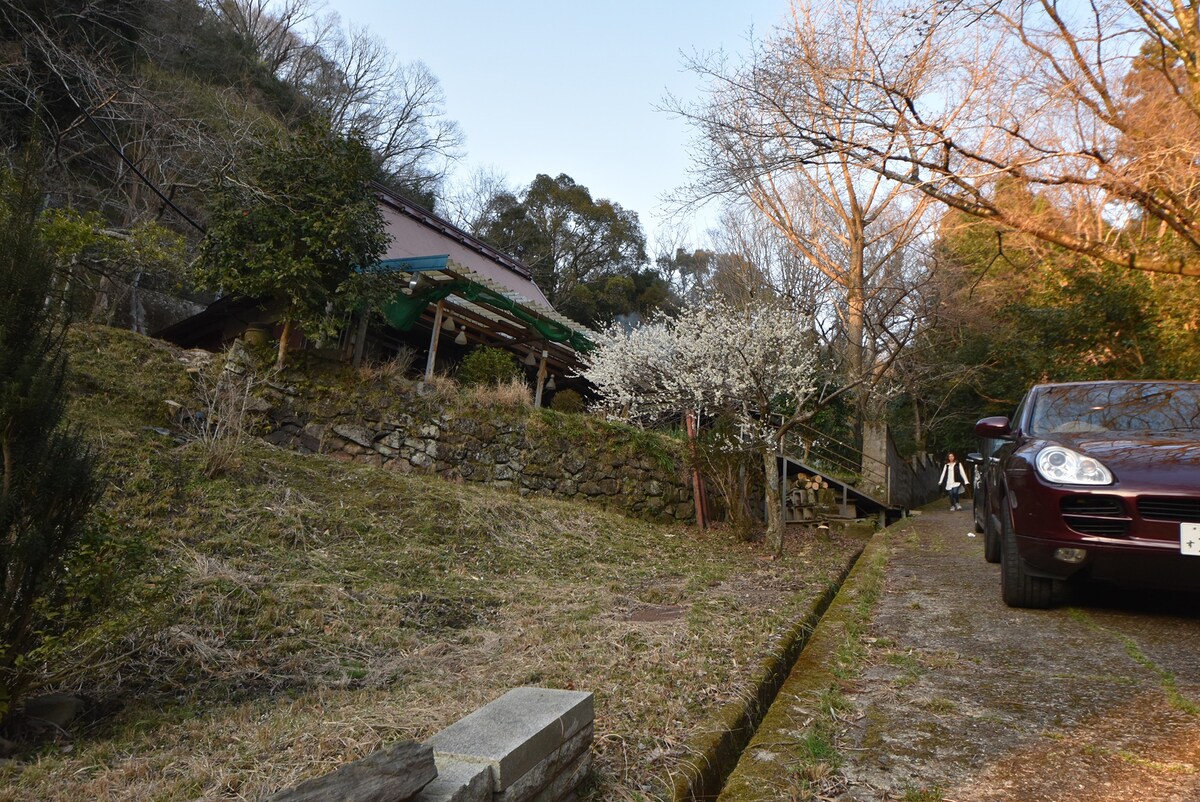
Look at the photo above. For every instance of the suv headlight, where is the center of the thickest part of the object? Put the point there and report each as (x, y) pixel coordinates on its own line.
(1066, 467)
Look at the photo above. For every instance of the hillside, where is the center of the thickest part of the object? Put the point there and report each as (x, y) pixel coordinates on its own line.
(296, 612)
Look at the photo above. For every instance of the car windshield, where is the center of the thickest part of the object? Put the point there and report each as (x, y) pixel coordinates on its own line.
(1121, 407)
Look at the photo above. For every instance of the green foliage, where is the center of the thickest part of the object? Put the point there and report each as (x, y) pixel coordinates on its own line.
(638, 294)
(46, 473)
(567, 401)
(294, 224)
(574, 244)
(487, 365)
(1030, 313)
(95, 253)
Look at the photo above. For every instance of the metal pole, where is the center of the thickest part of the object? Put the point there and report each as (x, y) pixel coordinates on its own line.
(699, 496)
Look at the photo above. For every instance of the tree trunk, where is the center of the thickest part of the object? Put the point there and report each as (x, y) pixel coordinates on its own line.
(774, 502)
(855, 319)
(918, 427)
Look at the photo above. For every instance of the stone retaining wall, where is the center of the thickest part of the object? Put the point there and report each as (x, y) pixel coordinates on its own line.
(527, 453)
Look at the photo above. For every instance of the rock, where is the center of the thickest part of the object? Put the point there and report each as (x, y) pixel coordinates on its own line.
(355, 434)
(54, 708)
(281, 437)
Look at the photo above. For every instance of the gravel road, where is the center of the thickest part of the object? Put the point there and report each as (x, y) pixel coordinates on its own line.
(962, 698)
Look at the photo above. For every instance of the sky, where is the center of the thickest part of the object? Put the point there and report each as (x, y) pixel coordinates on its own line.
(546, 86)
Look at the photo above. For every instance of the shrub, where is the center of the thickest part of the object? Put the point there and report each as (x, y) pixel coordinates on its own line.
(487, 365)
(47, 474)
(567, 401)
(222, 422)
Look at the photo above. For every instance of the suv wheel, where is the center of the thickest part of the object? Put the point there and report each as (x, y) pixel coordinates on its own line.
(1018, 588)
(991, 539)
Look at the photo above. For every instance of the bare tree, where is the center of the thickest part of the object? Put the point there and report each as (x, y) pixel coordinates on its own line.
(355, 80)
(844, 217)
(396, 107)
(1094, 106)
(279, 32)
(469, 201)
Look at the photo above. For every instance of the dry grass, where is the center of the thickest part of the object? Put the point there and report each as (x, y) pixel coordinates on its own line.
(391, 372)
(318, 610)
(513, 393)
(441, 388)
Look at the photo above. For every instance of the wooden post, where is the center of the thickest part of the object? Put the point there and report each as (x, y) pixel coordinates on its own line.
(360, 337)
(433, 342)
(698, 494)
(541, 381)
(397, 771)
(783, 495)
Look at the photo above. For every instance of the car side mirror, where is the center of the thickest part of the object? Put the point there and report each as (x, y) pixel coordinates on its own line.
(998, 428)
(975, 458)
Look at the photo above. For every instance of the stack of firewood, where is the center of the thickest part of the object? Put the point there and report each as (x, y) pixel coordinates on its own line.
(806, 482)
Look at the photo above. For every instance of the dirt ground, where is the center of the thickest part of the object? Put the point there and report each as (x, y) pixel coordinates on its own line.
(964, 699)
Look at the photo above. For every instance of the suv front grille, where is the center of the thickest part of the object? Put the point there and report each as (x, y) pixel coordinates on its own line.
(1092, 505)
(1166, 508)
(1099, 515)
(1104, 527)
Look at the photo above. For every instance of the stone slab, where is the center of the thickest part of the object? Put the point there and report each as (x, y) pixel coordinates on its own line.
(458, 781)
(531, 784)
(516, 732)
(391, 774)
(562, 787)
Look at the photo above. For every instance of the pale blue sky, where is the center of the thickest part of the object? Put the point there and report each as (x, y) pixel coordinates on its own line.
(568, 87)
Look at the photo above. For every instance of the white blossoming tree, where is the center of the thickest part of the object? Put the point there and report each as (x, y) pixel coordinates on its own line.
(757, 364)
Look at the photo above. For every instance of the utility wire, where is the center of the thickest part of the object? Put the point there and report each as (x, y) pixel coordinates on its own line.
(108, 141)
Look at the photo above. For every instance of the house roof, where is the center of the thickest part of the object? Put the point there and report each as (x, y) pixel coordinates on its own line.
(477, 281)
(479, 285)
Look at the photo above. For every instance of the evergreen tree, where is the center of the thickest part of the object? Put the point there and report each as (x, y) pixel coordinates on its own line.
(294, 224)
(47, 482)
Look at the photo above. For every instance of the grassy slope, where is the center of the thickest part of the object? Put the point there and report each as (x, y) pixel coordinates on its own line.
(307, 611)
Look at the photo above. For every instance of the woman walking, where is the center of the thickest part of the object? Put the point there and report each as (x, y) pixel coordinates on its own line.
(954, 479)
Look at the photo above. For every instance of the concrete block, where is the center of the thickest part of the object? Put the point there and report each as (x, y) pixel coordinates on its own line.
(458, 781)
(516, 732)
(563, 786)
(544, 774)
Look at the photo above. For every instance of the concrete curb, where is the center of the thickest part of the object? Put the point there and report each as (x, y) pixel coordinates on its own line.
(702, 774)
(762, 773)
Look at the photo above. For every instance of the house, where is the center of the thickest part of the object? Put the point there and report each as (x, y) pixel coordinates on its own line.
(457, 293)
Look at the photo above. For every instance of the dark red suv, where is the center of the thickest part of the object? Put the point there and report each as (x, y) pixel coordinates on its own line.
(1096, 480)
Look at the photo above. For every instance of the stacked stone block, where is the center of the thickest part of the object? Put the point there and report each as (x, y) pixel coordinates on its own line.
(504, 454)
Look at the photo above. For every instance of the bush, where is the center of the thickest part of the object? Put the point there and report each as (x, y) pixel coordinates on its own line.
(47, 474)
(567, 401)
(487, 365)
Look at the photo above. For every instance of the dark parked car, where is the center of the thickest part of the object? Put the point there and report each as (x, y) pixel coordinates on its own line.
(1096, 480)
(982, 482)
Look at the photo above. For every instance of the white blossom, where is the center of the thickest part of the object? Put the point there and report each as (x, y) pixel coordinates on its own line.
(753, 363)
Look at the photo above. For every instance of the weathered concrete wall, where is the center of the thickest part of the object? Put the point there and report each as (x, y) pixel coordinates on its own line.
(901, 482)
(535, 453)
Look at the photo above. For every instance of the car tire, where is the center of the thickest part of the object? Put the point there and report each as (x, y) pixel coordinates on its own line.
(1018, 588)
(991, 539)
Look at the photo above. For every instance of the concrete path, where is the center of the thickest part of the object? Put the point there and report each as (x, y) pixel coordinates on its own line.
(952, 696)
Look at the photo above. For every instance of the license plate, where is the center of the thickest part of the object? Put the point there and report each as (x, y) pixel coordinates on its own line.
(1189, 539)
